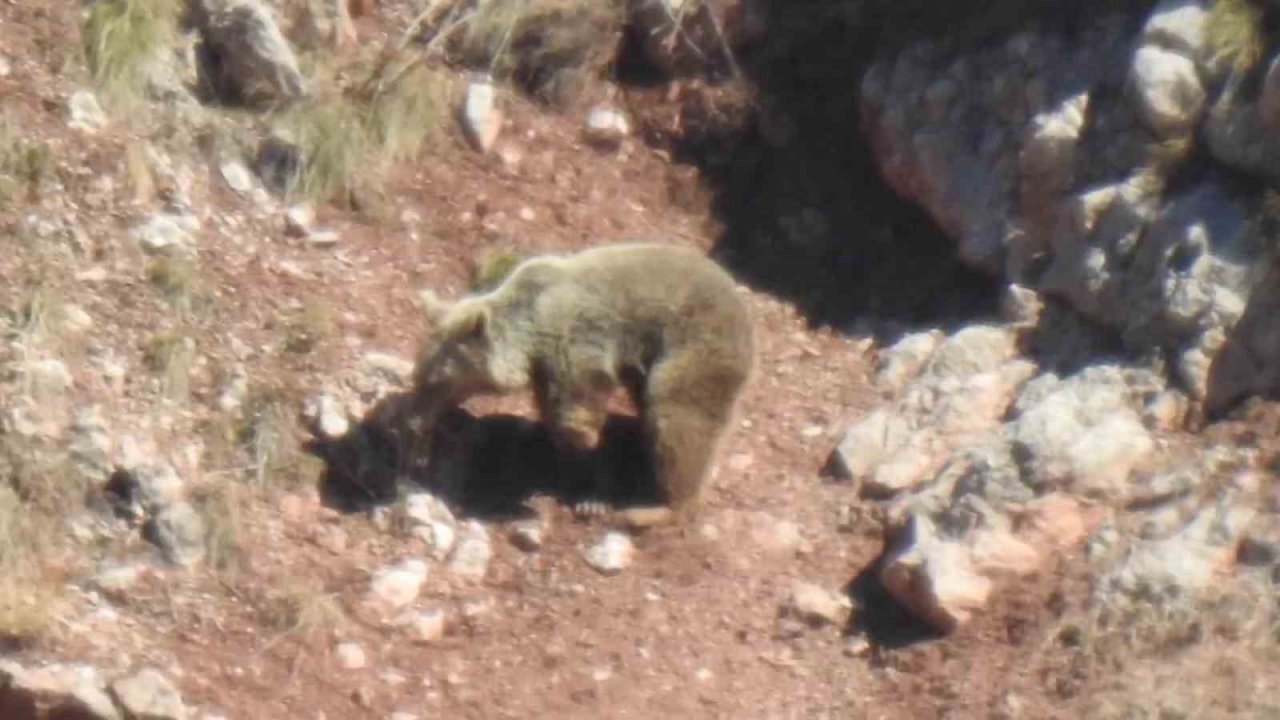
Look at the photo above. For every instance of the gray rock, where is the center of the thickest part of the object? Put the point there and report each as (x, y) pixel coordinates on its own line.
(1179, 26)
(934, 577)
(398, 585)
(428, 626)
(84, 112)
(237, 177)
(606, 127)
(47, 378)
(53, 691)
(350, 656)
(179, 532)
(326, 417)
(252, 61)
(149, 695)
(1168, 90)
(473, 551)
(298, 220)
(1083, 432)
(902, 362)
(164, 234)
(816, 605)
(612, 554)
(481, 118)
(527, 535)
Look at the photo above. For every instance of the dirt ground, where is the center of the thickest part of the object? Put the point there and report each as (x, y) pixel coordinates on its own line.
(692, 629)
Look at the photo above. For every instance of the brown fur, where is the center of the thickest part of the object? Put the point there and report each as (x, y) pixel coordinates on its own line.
(661, 322)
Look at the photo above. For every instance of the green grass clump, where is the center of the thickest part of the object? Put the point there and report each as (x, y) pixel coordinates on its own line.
(1234, 32)
(122, 39)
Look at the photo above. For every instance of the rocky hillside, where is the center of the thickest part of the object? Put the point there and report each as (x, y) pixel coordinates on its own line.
(1010, 450)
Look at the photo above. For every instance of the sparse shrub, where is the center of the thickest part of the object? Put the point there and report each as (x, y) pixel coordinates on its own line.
(272, 439)
(1234, 32)
(174, 276)
(171, 355)
(24, 164)
(122, 39)
(346, 138)
(308, 327)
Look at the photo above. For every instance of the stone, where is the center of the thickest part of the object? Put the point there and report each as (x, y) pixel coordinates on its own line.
(1178, 25)
(427, 627)
(147, 487)
(298, 220)
(350, 656)
(249, 59)
(6, 67)
(934, 578)
(164, 234)
(818, 606)
(902, 362)
(149, 695)
(48, 378)
(1021, 307)
(1082, 432)
(527, 535)
(237, 177)
(53, 691)
(972, 350)
(473, 551)
(1048, 155)
(326, 417)
(606, 127)
(85, 114)
(178, 530)
(75, 319)
(398, 585)
(612, 554)
(481, 118)
(430, 520)
(876, 437)
(117, 579)
(1168, 90)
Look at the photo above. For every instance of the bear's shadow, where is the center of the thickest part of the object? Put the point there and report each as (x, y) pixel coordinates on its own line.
(485, 466)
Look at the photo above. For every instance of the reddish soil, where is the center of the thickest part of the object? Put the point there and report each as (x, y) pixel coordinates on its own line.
(692, 629)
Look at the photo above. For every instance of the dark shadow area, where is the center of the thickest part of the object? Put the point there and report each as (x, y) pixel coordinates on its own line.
(483, 467)
(1241, 368)
(806, 214)
(883, 620)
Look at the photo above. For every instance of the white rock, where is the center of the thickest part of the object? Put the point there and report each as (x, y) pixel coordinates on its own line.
(164, 233)
(326, 417)
(350, 656)
(48, 377)
(481, 118)
(399, 585)
(817, 605)
(298, 220)
(612, 554)
(117, 578)
(528, 534)
(473, 551)
(179, 532)
(149, 695)
(237, 176)
(6, 68)
(1169, 92)
(1178, 25)
(902, 362)
(1049, 152)
(934, 578)
(75, 319)
(85, 112)
(55, 691)
(428, 626)
(606, 127)
(324, 238)
(873, 439)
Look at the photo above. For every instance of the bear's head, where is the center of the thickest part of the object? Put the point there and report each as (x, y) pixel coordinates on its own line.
(454, 359)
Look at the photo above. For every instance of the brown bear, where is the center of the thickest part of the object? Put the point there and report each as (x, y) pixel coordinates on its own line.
(664, 323)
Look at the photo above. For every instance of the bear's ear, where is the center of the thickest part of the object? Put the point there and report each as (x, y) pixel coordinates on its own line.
(432, 307)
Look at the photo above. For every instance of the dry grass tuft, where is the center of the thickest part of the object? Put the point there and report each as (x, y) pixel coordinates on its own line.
(171, 355)
(1234, 33)
(24, 164)
(493, 267)
(122, 40)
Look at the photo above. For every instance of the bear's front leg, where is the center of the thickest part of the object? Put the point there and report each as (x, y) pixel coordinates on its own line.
(575, 420)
